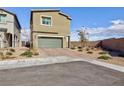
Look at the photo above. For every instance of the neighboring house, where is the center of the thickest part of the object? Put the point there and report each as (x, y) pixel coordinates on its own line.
(10, 29)
(49, 29)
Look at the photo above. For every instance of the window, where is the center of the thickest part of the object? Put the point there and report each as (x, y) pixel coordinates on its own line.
(46, 21)
(2, 18)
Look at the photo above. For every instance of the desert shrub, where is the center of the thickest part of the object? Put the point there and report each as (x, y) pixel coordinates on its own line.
(1, 53)
(90, 52)
(79, 47)
(8, 53)
(92, 48)
(12, 50)
(73, 48)
(103, 52)
(36, 53)
(89, 46)
(3, 57)
(80, 50)
(27, 53)
(87, 49)
(9, 57)
(104, 57)
(121, 55)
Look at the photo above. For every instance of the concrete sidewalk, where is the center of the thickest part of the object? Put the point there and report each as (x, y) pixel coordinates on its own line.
(52, 60)
(9, 64)
(107, 65)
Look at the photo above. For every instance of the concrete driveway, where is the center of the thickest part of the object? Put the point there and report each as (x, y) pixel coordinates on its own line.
(72, 73)
(50, 52)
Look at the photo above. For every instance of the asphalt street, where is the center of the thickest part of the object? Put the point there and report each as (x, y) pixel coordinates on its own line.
(65, 74)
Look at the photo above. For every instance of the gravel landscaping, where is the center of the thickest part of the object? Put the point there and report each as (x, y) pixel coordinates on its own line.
(101, 55)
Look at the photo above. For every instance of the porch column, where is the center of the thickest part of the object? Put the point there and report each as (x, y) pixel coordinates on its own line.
(16, 41)
(69, 43)
(13, 40)
(1, 43)
(19, 40)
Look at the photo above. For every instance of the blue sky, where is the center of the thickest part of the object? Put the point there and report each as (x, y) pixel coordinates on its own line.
(95, 19)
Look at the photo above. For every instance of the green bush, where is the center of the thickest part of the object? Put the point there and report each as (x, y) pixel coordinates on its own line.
(8, 53)
(90, 52)
(27, 53)
(103, 52)
(12, 50)
(104, 57)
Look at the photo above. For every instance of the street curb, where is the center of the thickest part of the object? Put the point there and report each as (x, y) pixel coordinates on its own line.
(34, 62)
(107, 65)
(10, 64)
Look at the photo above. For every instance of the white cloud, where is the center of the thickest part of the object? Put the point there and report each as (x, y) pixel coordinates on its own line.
(95, 30)
(74, 36)
(115, 30)
(117, 22)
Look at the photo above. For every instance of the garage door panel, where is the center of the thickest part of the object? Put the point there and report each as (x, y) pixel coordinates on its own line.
(49, 42)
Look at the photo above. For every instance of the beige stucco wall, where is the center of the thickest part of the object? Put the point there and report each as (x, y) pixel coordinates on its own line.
(60, 25)
(9, 22)
(11, 27)
(18, 34)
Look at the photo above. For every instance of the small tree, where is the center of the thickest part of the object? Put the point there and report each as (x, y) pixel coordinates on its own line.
(83, 36)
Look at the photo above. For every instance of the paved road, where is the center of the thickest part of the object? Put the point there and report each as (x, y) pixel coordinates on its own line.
(73, 73)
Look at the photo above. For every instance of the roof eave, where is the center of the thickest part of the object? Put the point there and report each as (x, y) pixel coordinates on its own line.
(49, 10)
(13, 15)
(65, 15)
(45, 10)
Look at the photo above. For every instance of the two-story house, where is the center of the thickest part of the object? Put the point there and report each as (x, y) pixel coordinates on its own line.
(10, 29)
(50, 29)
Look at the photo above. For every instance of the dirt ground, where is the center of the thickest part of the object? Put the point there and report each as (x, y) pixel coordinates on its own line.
(15, 55)
(45, 52)
(113, 59)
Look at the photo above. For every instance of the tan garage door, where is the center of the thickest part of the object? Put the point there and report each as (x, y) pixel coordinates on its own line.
(49, 42)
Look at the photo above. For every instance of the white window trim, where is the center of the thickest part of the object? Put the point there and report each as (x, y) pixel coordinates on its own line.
(45, 24)
(50, 36)
(5, 19)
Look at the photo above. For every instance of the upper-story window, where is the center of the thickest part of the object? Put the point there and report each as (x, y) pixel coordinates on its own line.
(2, 18)
(46, 21)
